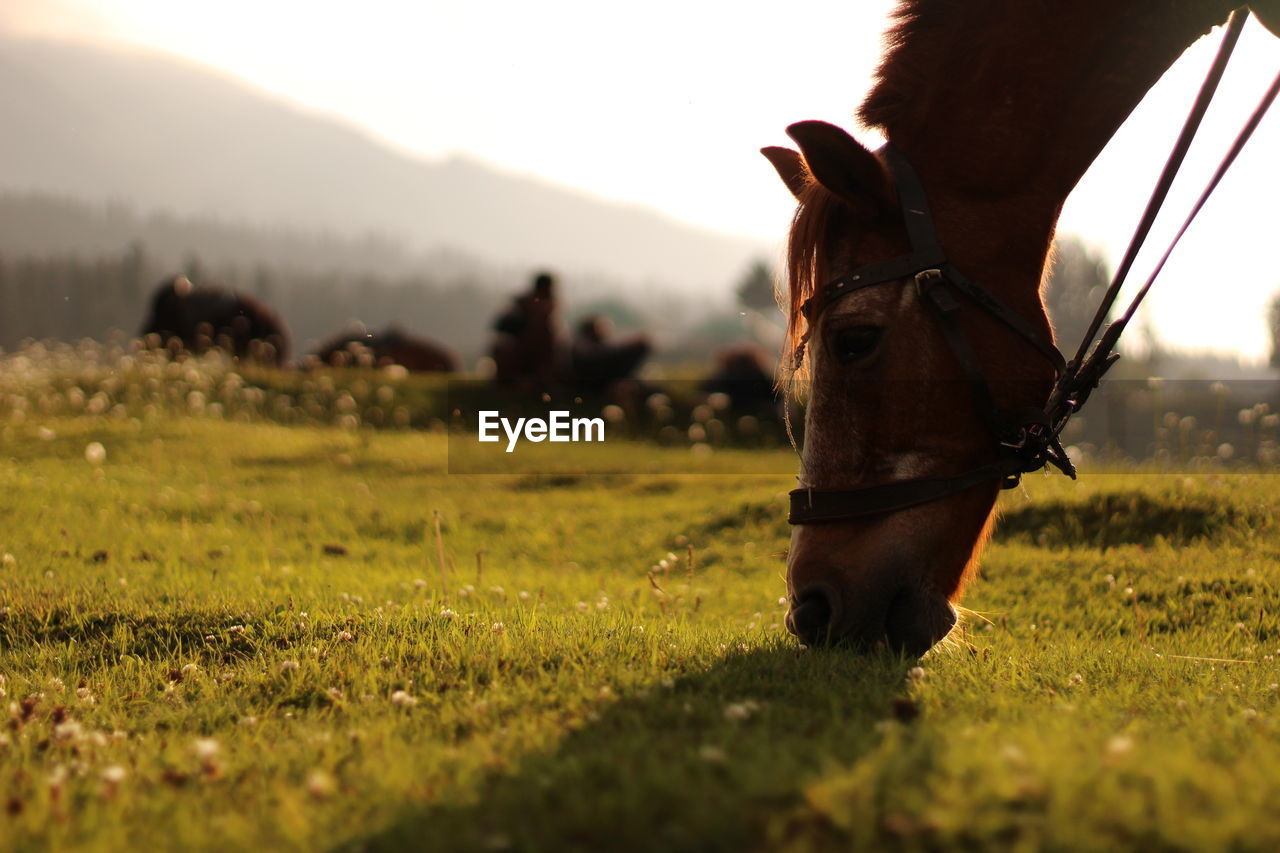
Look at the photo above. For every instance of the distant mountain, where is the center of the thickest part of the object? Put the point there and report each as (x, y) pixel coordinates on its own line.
(159, 133)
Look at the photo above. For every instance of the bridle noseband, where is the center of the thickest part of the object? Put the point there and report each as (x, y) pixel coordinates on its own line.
(1025, 442)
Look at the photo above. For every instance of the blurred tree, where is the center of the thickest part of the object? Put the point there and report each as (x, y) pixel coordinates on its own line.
(1077, 280)
(1273, 326)
(755, 289)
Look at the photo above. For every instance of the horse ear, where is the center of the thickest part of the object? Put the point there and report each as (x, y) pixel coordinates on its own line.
(843, 166)
(790, 168)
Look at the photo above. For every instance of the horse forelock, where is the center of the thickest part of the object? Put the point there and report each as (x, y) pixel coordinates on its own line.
(808, 244)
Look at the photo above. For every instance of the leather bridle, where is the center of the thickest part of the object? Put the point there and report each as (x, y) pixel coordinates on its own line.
(1029, 440)
(1026, 442)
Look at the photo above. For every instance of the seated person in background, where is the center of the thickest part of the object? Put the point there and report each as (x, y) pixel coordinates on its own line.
(528, 336)
(596, 361)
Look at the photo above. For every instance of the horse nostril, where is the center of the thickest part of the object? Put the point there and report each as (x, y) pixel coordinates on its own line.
(810, 618)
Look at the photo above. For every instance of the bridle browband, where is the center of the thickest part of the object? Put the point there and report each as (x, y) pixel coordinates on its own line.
(1029, 440)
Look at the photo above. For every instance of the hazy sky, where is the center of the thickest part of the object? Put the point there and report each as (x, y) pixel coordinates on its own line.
(666, 104)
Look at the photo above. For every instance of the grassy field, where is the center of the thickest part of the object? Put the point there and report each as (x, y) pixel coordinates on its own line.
(238, 636)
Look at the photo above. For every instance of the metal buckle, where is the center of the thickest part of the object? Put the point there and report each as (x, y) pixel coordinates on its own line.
(926, 279)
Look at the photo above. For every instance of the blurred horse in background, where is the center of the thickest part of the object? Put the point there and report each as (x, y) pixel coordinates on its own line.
(360, 348)
(597, 359)
(197, 319)
(743, 373)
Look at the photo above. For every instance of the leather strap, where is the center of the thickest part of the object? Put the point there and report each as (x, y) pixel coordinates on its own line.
(814, 506)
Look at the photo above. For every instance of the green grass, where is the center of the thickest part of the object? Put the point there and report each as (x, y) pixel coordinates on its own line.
(213, 626)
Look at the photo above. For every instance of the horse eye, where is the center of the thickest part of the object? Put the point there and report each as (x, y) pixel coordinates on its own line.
(855, 343)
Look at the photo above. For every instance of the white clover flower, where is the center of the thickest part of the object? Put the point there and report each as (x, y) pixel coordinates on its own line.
(190, 668)
(85, 695)
(57, 776)
(345, 636)
(498, 628)
(206, 749)
(524, 595)
(419, 583)
(288, 665)
(1118, 746)
(68, 731)
(447, 613)
(737, 711)
(95, 453)
(712, 754)
(8, 560)
(113, 774)
(403, 699)
(320, 784)
(916, 673)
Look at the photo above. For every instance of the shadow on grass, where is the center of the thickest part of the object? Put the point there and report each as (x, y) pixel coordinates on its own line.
(1121, 518)
(702, 765)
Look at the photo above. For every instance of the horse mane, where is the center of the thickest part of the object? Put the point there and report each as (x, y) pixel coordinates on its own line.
(925, 35)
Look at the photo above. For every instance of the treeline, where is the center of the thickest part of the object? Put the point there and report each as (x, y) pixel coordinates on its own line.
(67, 297)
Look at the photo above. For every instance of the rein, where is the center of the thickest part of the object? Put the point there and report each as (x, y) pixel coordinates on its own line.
(1029, 440)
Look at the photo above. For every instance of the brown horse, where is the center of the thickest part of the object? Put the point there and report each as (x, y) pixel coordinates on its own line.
(1000, 107)
(391, 346)
(184, 316)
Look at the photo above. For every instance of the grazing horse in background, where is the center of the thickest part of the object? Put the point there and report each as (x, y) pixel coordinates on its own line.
(744, 375)
(390, 346)
(202, 318)
(597, 360)
(1000, 107)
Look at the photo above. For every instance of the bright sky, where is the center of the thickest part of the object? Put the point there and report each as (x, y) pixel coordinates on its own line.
(666, 104)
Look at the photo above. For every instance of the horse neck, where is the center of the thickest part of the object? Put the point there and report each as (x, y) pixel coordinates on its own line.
(1002, 112)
